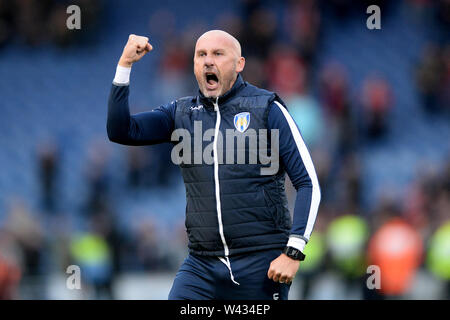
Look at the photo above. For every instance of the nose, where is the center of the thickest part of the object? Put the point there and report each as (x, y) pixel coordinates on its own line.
(209, 61)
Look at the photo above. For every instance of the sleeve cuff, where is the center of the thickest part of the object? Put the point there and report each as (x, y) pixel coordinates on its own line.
(122, 76)
(297, 243)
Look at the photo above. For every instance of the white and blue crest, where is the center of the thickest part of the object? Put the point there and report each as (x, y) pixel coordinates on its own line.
(242, 121)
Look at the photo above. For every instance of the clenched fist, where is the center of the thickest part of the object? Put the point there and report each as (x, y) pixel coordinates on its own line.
(134, 50)
(283, 269)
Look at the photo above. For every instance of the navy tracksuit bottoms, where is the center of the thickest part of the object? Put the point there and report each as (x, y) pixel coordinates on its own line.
(209, 278)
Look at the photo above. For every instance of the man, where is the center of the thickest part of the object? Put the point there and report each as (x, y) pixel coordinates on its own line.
(242, 243)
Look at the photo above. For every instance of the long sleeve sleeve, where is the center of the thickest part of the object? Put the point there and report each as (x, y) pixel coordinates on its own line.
(296, 159)
(144, 128)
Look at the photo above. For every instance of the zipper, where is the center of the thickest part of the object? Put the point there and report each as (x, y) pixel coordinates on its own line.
(226, 261)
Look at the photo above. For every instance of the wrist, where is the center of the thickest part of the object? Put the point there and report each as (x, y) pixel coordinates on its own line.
(123, 62)
(291, 259)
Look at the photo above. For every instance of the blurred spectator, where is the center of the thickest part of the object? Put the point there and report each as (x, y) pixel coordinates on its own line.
(48, 169)
(92, 254)
(177, 246)
(438, 257)
(9, 278)
(376, 101)
(149, 251)
(302, 27)
(136, 164)
(349, 184)
(106, 225)
(415, 208)
(334, 88)
(386, 209)
(97, 178)
(98, 251)
(445, 92)
(10, 272)
(396, 248)
(432, 77)
(312, 267)
(335, 97)
(346, 238)
(427, 202)
(29, 236)
(432, 198)
(286, 71)
(254, 72)
(259, 33)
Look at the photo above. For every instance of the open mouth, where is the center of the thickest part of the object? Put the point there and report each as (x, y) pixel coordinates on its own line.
(212, 81)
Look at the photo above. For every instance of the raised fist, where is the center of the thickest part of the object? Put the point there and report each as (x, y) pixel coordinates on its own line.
(134, 50)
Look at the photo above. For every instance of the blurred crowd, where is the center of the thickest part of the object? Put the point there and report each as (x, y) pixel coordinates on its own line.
(403, 236)
(36, 22)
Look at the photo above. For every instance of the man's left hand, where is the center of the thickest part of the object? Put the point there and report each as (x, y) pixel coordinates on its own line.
(283, 269)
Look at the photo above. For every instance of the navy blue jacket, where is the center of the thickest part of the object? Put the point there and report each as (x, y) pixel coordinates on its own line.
(231, 208)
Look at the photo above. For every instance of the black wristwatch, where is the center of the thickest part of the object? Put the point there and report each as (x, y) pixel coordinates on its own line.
(293, 253)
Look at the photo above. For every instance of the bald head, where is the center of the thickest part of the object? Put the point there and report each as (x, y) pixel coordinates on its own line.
(217, 61)
(222, 37)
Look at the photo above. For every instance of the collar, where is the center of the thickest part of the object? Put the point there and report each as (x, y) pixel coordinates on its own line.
(209, 102)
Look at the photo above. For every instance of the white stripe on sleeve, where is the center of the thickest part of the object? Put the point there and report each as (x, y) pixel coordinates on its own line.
(306, 158)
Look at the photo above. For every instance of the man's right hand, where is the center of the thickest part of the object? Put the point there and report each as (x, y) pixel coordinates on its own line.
(134, 50)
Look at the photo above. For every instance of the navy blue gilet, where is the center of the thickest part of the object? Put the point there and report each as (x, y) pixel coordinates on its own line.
(236, 209)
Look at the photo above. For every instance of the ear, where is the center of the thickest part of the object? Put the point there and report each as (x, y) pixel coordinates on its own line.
(240, 64)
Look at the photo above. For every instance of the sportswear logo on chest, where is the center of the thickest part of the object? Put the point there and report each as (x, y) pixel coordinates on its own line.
(197, 107)
(242, 121)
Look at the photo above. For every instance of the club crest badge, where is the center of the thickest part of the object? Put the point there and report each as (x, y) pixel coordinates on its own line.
(242, 121)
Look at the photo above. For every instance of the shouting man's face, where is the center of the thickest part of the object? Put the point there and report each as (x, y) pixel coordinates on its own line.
(217, 61)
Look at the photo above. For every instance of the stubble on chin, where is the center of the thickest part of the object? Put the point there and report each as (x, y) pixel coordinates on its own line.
(208, 94)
